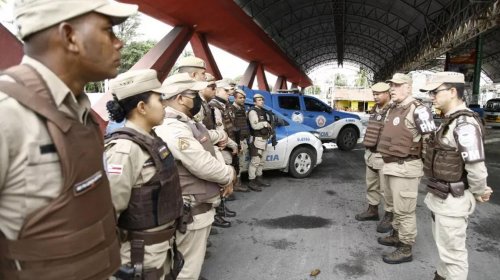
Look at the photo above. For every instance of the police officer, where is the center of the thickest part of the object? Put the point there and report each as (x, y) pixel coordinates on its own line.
(401, 144)
(51, 163)
(194, 66)
(224, 119)
(260, 131)
(375, 183)
(143, 177)
(241, 124)
(202, 176)
(455, 167)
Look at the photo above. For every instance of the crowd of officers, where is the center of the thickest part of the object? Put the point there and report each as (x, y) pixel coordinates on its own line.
(162, 178)
(403, 145)
(139, 205)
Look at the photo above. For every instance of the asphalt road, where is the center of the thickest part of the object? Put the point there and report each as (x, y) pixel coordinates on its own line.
(297, 226)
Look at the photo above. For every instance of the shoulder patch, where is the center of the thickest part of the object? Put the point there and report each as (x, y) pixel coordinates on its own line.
(469, 142)
(182, 144)
(424, 120)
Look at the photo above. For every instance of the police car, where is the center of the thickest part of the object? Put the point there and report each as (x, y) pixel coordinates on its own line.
(298, 148)
(332, 125)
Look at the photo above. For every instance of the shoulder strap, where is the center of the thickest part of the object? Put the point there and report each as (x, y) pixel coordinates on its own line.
(32, 92)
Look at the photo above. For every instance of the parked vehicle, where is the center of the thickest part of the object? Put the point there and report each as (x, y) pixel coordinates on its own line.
(477, 108)
(333, 126)
(492, 112)
(298, 148)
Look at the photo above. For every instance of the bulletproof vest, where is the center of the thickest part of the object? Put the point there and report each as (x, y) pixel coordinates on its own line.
(74, 236)
(396, 139)
(374, 128)
(227, 117)
(159, 200)
(442, 161)
(240, 121)
(190, 184)
(208, 118)
(264, 132)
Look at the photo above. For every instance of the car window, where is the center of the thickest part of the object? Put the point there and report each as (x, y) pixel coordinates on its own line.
(492, 106)
(315, 105)
(289, 102)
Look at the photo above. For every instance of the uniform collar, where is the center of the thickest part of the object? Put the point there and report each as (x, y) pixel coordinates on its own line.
(458, 108)
(179, 115)
(406, 101)
(137, 128)
(58, 89)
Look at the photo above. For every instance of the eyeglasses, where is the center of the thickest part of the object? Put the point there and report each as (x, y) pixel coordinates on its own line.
(436, 91)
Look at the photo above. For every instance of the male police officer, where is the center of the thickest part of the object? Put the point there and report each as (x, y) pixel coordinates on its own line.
(241, 124)
(401, 146)
(374, 178)
(454, 164)
(51, 163)
(261, 130)
(202, 176)
(194, 66)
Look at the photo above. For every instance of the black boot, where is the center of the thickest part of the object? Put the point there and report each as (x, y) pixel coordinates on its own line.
(220, 222)
(371, 214)
(438, 277)
(225, 212)
(254, 186)
(231, 197)
(262, 183)
(386, 224)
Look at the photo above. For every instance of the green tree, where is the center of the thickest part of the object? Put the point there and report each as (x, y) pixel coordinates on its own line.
(313, 90)
(361, 79)
(132, 52)
(340, 80)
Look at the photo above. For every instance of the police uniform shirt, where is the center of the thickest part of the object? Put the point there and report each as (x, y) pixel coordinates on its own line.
(476, 176)
(413, 168)
(30, 178)
(199, 162)
(129, 166)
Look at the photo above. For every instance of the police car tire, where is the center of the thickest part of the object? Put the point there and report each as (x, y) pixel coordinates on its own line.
(347, 138)
(301, 151)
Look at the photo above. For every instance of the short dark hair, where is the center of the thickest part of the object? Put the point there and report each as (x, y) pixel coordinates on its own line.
(459, 87)
(120, 109)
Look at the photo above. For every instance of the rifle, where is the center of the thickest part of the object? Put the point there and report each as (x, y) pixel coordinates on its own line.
(272, 121)
(235, 161)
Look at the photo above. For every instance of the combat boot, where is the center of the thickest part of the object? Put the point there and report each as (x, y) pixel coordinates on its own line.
(390, 240)
(386, 224)
(262, 183)
(400, 255)
(438, 277)
(240, 187)
(371, 214)
(254, 186)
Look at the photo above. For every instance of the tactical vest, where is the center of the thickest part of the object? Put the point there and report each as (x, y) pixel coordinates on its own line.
(190, 184)
(396, 139)
(240, 121)
(264, 132)
(374, 128)
(74, 236)
(158, 201)
(442, 161)
(227, 117)
(208, 118)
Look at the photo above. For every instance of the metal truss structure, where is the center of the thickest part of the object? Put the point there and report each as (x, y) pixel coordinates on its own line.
(383, 36)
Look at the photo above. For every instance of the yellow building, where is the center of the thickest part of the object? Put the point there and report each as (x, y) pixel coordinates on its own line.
(351, 99)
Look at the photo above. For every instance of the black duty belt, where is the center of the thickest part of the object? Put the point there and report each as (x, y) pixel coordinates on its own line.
(400, 160)
(149, 238)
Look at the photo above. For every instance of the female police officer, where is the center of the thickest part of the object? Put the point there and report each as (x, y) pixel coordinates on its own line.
(144, 180)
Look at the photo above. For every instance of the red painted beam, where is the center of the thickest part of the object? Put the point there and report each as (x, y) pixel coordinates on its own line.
(12, 48)
(261, 78)
(249, 75)
(202, 50)
(226, 26)
(161, 57)
(280, 83)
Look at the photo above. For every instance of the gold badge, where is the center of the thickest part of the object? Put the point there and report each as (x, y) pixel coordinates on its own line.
(183, 144)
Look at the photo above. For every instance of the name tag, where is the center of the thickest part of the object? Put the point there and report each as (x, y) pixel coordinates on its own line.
(87, 183)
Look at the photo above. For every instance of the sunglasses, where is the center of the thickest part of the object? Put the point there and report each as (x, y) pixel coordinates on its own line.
(436, 91)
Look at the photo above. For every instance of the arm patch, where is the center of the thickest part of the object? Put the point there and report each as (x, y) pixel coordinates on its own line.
(424, 120)
(469, 142)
